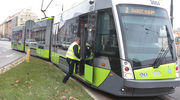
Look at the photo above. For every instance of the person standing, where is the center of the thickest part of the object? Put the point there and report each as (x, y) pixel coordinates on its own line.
(73, 57)
(87, 60)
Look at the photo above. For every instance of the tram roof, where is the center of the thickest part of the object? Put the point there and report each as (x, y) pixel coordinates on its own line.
(84, 7)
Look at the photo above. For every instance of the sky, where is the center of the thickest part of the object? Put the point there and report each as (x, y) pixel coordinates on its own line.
(11, 7)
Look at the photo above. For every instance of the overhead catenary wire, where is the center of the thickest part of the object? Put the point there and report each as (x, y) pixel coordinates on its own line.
(46, 7)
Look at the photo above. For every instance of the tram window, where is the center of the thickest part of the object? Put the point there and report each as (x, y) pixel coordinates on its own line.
(27, 36)
(32, 36)
(162, 37)
(66, 34)
(106, 39)
(13, 37)
(18, 36)
(43, 36)
(59, 37)
(71, 31)
(37, 33)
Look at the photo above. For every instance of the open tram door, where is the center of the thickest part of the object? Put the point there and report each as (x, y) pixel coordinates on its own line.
(87, 33)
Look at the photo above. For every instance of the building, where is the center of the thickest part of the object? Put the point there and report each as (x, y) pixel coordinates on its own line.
(22, 16)
(16, 20)
(8, 27)
(2, 27)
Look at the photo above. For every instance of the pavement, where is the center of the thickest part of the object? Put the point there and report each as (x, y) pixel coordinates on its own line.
(176, 95)
(8, 57)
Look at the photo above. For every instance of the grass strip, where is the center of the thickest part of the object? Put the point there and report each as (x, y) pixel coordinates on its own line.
(38, 80)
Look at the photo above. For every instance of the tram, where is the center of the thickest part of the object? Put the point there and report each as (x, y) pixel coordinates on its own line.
(132, 49)
(34, 36)
(132, 46)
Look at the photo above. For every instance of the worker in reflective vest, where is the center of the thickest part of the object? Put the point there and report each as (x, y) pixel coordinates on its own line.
(89, 55)
(88, 58)
(72, 57)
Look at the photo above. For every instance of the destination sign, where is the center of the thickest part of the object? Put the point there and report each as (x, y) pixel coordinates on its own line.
(142, 10)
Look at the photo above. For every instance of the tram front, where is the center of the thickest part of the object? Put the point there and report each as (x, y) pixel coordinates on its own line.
(147, 51)
(148, 42)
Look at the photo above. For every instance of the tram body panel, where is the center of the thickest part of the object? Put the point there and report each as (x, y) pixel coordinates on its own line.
(41, 38)
(18, 38)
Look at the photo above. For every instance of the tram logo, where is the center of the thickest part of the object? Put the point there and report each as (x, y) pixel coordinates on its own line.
(157, 74)
(143, 74)
(155, 2)
(169, 71)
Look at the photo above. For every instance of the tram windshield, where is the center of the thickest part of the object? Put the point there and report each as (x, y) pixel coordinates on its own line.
(145, 33)
(17, 37)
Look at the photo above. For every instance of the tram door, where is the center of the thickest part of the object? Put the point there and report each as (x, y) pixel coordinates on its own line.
(87, 30)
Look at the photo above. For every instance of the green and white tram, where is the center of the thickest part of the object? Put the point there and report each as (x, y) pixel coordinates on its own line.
(132, 46)
(35, 36)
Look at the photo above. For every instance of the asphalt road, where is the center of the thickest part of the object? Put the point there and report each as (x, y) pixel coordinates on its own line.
(7, 55)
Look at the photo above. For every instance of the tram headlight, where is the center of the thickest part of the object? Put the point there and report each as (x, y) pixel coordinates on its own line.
(126, 68)
(128, 75)
(177, 75)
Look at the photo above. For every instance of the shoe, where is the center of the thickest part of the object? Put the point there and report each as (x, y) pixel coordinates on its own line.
(64, 82)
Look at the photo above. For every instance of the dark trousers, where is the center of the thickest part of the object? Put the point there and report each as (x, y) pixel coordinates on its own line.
(71, 69)
(81, 67)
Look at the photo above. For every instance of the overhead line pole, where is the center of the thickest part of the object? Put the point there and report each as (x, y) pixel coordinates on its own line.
(171, 12)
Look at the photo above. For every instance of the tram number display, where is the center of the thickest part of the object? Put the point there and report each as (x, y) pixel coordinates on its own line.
(139, 11)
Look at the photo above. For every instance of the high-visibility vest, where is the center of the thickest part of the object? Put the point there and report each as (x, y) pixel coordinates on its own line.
(70, 53)
(91, 56)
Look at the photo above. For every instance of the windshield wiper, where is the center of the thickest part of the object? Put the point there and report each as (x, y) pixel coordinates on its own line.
(163, 53)
(161, 56)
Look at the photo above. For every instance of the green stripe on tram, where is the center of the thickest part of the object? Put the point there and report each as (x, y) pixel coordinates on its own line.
(166, 71)
(92, 75)
(44, 19)
(20, 47)
(55, 57)
(100, 74)
(43, 53)
(12, 45)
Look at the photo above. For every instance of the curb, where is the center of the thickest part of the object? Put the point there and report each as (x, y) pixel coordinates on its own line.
(89, 92)
(11, 65)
